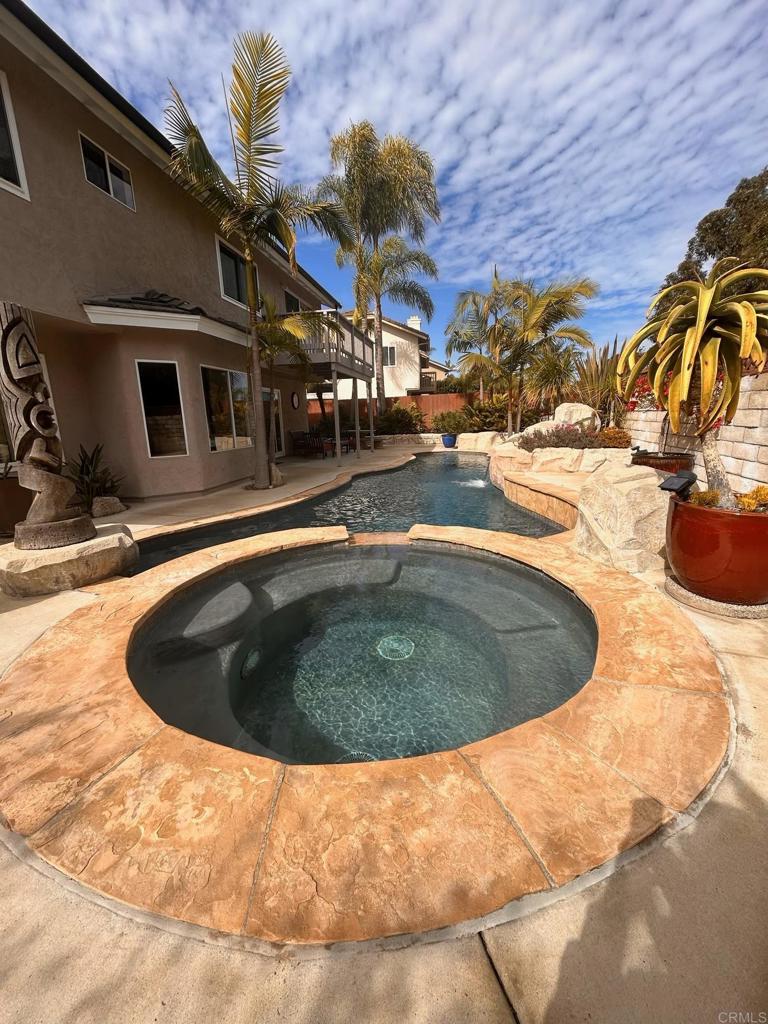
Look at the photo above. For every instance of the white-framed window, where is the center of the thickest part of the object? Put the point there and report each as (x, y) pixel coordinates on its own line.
(232, 275)
(106, 173)
(388, 354)
(292, 304)
(225, 396)
(12, 176)
(160, 395)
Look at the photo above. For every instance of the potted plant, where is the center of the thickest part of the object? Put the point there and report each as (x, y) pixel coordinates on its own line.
(14, 500)
(717, 542)
(450, 425)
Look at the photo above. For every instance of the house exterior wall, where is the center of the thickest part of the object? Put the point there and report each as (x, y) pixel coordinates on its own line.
(71, 241)
(97, 401)
(743, 444)
(401, 378)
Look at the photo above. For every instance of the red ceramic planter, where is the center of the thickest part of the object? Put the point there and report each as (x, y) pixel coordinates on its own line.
(719, 554)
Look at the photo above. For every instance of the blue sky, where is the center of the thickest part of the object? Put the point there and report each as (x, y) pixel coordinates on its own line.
(570, 137)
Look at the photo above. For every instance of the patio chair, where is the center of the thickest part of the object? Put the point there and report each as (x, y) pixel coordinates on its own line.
(307, 442)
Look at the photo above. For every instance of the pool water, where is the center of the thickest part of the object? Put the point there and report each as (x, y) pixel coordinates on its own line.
(341, 653)
(450, 489)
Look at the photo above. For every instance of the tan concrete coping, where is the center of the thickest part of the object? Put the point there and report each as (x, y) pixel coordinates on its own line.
(161, 820)
(554, 496)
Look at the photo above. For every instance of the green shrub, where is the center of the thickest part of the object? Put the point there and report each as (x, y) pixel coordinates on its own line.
(451, 385)
(491, 415)
(564, 436)
(451, 422)
(91, 479)
(399, 420)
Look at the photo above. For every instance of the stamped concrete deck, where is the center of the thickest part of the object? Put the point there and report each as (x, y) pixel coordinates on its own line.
(106, 792)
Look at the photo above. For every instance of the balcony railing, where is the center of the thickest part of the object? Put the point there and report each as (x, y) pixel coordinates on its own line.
(348, 350)
(428, 382)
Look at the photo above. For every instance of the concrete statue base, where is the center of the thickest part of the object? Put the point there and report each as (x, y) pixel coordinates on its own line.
(42, 536)
(30, 573)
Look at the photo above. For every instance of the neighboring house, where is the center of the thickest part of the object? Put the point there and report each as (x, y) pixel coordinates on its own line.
(408, 367)
(137, 301)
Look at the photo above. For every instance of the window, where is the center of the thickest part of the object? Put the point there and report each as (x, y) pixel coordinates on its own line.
(232, 273)
(161, 403)
(388, 355)
(292, 304)
(225, 393)
(12, 177)
(106, 173)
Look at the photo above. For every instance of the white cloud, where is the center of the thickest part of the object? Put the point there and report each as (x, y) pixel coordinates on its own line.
(570, 137)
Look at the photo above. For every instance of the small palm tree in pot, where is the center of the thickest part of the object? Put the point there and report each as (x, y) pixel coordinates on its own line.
(717, 541)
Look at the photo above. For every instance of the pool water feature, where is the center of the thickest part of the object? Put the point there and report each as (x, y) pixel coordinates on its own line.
(449, 489)
(363, 653)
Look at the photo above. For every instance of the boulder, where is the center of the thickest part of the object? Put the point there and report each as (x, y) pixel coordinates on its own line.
(508, 458)
(541, 428)
(107, 505)
(594, 458)
(578, 414)
(112, 552)
(556, 460)
(622, 517)
(479, 441)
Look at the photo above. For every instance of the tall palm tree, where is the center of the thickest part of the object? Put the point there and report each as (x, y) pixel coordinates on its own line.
(544, 314)
(522, 316)
(551, 375)
(385, 186)
(386, 272)
(467, 330)
(254, 207)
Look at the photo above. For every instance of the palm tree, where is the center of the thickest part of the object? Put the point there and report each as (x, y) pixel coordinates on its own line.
(386, 272)
(385, 186)
(544, 314)
(551, 375)
(522, 316)
(281, 335)
(467, 330)
(254, 206)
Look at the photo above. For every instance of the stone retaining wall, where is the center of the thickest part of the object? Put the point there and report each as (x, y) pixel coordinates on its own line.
(743, 443)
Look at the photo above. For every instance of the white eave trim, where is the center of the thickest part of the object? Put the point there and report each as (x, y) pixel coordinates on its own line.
(114, 316)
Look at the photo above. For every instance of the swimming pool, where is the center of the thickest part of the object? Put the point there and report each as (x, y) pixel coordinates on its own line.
(447, 489)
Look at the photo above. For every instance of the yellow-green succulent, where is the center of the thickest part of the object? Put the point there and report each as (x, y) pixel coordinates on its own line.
(705, 329)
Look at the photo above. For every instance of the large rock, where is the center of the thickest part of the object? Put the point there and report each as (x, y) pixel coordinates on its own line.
(107, 505)
(578, 414)
(557, 460)
(508, 458)
(112, 552)
(479, 441)
(568, 414)
(622, 517)
(594, 458)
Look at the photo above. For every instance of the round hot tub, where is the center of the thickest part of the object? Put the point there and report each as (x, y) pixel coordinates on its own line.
(362, 653)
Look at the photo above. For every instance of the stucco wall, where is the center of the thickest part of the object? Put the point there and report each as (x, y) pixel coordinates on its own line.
(404, 376)
(71, 241)
(743, 443)
(97, 400)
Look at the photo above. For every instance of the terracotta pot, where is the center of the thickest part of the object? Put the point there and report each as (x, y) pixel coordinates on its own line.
(672, 462)
(14, 504)
(719, 554)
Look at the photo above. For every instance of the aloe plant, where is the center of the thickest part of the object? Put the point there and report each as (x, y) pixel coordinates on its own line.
(694, 360)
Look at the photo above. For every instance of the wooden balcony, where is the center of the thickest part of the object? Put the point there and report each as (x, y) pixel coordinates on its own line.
(349, 353)
(428, 382)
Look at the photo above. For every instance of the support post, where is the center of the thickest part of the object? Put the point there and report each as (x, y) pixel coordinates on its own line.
(357, 417)
(369, 394)
(336, 419)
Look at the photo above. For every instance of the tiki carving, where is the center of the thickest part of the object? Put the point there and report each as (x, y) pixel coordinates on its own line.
(34, 438)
